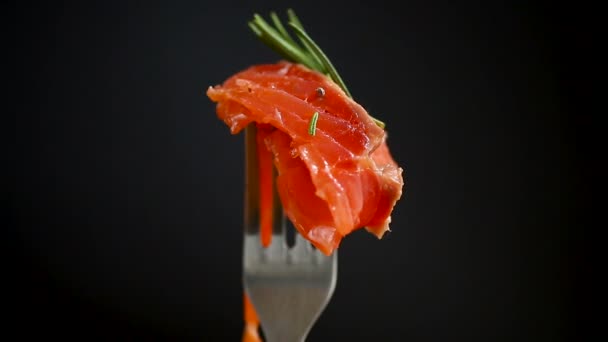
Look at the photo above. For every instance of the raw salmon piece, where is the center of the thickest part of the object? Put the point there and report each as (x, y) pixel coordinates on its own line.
(342, 178)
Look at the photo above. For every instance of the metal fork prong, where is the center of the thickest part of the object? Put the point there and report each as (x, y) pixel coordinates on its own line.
(278, 216)
(277, 250)
(251, 213)
(301, 250)
(278, 247)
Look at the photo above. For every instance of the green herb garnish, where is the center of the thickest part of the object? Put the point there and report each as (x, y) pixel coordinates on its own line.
(307, 53)
(312, 126)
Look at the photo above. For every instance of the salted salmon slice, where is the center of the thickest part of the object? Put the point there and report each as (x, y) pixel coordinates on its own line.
(331, 183)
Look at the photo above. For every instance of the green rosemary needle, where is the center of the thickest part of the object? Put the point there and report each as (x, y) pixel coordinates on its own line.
(312, 127)
(308, 53)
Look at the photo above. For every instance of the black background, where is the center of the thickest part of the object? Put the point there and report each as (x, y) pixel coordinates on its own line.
(125, 190)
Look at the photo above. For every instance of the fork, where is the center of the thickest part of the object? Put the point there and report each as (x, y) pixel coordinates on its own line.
(288, 287)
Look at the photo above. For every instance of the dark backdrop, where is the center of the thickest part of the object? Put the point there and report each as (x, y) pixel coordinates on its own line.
(124, 189)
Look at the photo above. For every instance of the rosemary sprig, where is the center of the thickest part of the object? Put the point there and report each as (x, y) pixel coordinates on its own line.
(308, 53)
(295, 21)
(316, 51)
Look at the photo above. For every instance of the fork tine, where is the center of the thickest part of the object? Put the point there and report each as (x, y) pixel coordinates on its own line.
(301, 249)
(277, 249)
(251, 213)
(278, 217)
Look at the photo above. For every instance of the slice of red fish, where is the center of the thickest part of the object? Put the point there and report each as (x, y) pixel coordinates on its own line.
(338, 180)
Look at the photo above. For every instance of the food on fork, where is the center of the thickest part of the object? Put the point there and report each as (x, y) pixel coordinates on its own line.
(333, 182)
(335, 171)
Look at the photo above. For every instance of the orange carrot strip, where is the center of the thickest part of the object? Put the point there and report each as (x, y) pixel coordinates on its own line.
(252, 323)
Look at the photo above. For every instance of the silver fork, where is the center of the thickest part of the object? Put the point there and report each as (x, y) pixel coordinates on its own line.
(288, 287)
